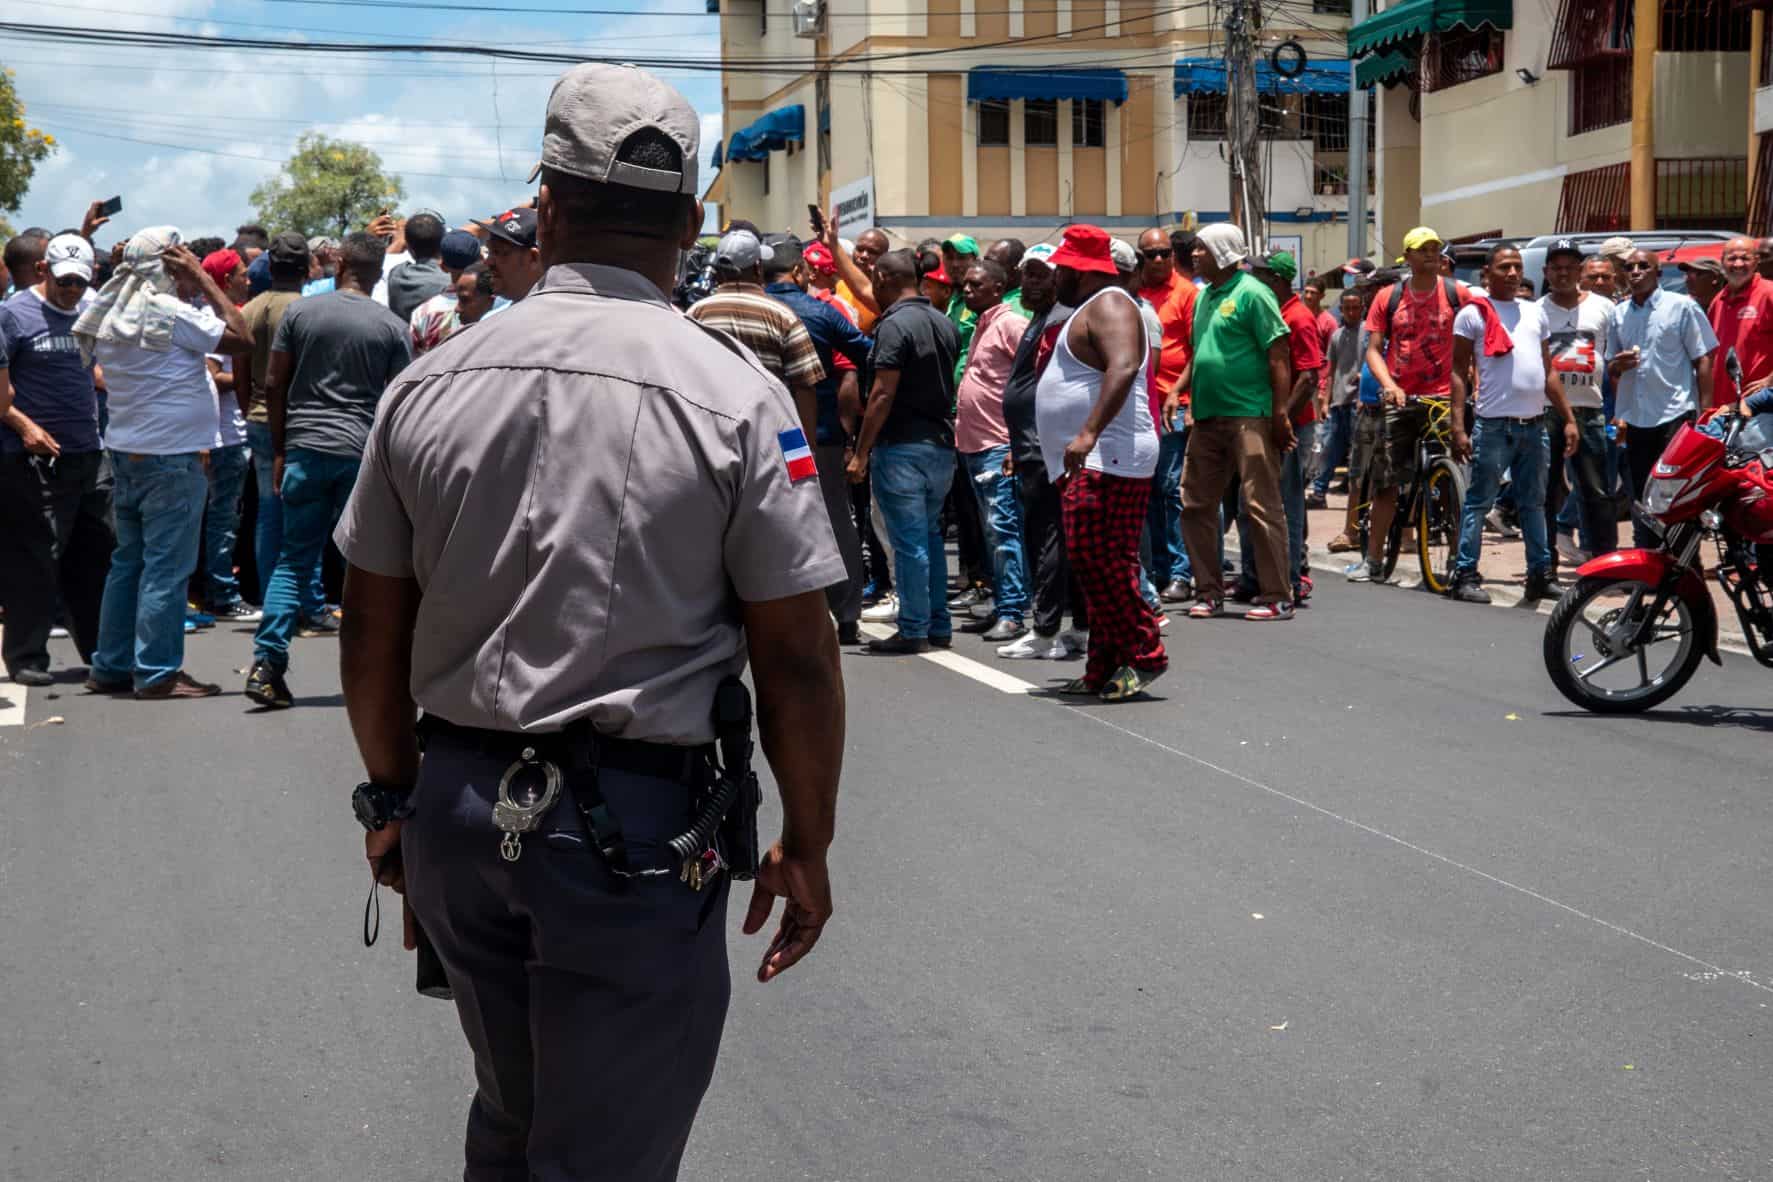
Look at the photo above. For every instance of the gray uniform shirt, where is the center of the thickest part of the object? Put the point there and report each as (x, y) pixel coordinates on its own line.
(585, 488)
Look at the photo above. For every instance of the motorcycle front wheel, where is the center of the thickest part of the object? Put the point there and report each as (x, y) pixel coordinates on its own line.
(1593, 659)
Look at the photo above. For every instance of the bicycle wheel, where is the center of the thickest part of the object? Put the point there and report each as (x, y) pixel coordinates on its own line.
(1437, 524)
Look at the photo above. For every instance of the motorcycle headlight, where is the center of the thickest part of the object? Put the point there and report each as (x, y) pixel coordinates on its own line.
(1661, 494)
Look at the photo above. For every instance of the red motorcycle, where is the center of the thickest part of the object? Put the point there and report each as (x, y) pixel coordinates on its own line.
(1631, 631)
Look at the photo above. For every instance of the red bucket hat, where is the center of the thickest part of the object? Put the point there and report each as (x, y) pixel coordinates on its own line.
(818, 257)
(1085, 248)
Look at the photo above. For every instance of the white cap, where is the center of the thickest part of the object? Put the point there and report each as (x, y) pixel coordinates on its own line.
(69, 254)
(1126, 259)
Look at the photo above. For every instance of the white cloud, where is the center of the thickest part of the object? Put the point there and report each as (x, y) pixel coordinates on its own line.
(152, 125)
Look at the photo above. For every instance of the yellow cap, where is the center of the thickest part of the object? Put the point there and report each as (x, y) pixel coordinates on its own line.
(1419, 237)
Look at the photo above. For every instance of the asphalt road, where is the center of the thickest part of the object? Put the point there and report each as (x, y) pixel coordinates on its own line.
(1354, 897)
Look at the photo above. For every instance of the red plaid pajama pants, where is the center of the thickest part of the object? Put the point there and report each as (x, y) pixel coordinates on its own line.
(1103, 516)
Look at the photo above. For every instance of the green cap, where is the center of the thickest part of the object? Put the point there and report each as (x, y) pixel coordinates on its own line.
(1279, 262)
(963, 244)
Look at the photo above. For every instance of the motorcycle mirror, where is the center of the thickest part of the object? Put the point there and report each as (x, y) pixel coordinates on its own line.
(1733, 366)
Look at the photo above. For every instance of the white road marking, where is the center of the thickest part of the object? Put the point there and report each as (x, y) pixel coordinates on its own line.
(984, 674)
(12, 703)
(1744, 977)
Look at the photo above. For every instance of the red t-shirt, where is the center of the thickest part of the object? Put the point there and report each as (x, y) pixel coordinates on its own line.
(1744, 320)
(1419, 342)
(1306, 351)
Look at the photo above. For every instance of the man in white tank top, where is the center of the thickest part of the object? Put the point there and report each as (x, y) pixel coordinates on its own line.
(1098, 441)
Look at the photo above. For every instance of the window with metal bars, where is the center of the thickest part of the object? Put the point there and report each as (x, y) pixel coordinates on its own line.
(1589, 30)
(994, 123)
(1690, 194)
(1760, 218)
(1704, 26)
(1600, 94)
(1461, 55)
(1040, 123)
(1088, 119)
(1325, 121)
(1206, 116)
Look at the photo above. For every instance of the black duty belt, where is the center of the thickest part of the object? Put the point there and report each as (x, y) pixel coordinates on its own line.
(578, 746)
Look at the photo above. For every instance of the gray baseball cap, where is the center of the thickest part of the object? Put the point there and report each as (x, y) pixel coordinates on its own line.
(593, 110)
(740, 250)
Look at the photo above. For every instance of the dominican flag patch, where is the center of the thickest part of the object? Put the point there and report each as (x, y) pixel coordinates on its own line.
(797, 455)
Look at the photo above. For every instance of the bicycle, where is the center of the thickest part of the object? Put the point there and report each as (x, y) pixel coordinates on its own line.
(1432, 502)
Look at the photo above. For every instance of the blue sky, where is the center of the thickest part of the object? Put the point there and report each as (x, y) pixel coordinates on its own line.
(218, 122)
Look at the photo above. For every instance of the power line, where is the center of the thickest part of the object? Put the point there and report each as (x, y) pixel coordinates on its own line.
(158, 40)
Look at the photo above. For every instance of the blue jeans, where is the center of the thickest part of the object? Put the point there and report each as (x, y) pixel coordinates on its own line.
(1338, 432)
(159, 507)
(316, 486)
(268, 538)
(221, 523)
(1163, 517)
(1520, 448)
(1001, 511)
(910, 483)
(1292, 490)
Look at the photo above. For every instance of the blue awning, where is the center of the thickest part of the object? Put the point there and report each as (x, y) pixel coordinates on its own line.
(984, 82)
(717, 161)
(771, 133)
(1197, 75)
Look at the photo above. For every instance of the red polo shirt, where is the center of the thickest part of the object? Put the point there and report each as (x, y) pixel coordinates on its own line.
(1307, 353)
(1743, 319)
(1174, 302)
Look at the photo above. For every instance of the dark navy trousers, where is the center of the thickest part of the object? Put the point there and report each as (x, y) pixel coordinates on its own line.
(593, 1004)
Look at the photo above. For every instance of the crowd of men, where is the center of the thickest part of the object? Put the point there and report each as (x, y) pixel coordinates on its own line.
(1087, 419)
(138, 390)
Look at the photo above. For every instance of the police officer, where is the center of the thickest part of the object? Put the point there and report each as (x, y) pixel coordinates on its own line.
(572, 524)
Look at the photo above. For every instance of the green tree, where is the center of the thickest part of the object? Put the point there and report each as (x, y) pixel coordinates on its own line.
(22, 147)
(328, 187)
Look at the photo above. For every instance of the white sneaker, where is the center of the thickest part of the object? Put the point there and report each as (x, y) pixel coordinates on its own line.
(1569, 552)
(1163, 623)
(57, 632)
(884, 612)
(1499, 526)
(1075, 643)
(1033, 647)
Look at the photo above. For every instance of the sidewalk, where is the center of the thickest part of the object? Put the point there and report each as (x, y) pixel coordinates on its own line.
(1503, 565)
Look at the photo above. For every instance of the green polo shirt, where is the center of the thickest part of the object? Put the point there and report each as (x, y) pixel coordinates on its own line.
(1234, 323)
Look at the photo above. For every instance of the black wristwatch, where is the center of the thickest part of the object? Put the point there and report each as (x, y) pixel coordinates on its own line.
(377, 804)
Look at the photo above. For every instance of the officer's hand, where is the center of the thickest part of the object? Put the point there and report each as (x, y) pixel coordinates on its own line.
(804, 884)
(382, 848)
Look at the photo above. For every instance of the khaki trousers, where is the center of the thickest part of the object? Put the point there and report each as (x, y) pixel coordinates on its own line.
(1217, 449)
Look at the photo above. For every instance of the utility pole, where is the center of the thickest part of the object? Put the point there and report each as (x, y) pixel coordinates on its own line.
(1646, 31)
(1357, 152)
(1243, 122)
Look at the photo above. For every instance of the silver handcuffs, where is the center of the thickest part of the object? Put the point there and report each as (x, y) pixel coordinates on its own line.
(515, 817)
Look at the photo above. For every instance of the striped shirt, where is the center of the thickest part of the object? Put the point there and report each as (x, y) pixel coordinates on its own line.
(767, 327)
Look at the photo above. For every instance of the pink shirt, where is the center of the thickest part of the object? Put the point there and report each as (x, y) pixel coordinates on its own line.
(980, 424)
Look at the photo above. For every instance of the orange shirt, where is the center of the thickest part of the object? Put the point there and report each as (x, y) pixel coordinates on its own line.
(1175, 311)
(865, 319)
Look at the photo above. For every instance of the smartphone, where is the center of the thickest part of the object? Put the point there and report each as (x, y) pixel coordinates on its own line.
(818, 216)
(111, 208)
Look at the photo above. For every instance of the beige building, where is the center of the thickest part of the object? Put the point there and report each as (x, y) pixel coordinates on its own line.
(1012, 117)
(1508, 117)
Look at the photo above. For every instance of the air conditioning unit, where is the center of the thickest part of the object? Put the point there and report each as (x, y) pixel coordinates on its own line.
(809, 18)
